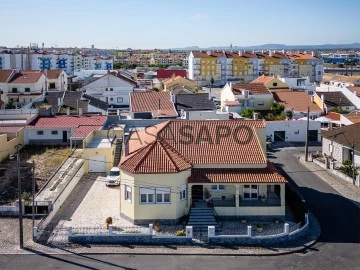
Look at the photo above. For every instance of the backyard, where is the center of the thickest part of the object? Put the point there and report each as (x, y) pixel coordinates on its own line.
(47, 161)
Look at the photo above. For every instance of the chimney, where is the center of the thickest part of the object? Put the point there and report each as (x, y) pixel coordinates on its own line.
(323, 102)
(68, 110)
(208, 52)
(312, 99)
(80, 111)
(230, 84)
(240, 53)
(270, 53)
(255, 116)
(312, 53)
(209, 96)
(283, 51)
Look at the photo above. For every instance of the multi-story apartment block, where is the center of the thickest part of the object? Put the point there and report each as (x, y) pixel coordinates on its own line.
(69, 62)
(246, 66)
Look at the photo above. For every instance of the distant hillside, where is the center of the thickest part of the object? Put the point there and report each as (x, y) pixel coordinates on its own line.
(277, 47)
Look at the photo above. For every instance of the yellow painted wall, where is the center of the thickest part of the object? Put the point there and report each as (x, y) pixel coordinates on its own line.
(279, 84)
(8, 143)
(208, 66)
(182, 81)
(240, 67)
(319, 102)
(135, 210)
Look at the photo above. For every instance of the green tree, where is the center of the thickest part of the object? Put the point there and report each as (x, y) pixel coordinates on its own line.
(339, 110)
(277, 109)
(269, 117)
(289, 114)
(247, 113)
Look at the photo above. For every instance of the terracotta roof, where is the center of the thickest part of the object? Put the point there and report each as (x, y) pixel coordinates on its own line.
(158, 103)
(353, 116)
(333, 116)
(253, 88)
(354, 89)
(52, 74)
(340, 78)
(296, 100)
(5, 75)
(24, 77)
(198, 54)
(263, 79)
(336, 99)
(345, 135)
(157, 157)
(253, 175)
(170, 80)
(301, 56)
(232, 103)
(67, 121)
(83, 131)
(10, 129)
(196, 142)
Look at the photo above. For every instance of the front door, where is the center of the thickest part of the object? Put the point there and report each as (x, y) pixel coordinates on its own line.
(64, 136)
(313, 135)
(197, 192)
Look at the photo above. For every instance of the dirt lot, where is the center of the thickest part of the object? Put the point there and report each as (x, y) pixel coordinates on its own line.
(47, 160)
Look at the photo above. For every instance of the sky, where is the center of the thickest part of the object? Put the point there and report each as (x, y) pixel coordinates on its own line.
(150, 24)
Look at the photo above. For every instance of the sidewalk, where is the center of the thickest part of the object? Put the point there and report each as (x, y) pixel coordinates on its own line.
(346, 189)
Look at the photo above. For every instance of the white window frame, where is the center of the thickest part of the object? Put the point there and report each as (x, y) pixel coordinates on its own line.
(161, 192)
(218, 187)
(182, 190)
(121, 100)
(251, 190)
(147, 192)
(128, 193)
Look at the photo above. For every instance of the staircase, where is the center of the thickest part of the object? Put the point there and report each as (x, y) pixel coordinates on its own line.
(118, 151)
(201, 218)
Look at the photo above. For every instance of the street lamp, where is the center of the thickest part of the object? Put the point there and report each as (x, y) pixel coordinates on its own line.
(21, 232)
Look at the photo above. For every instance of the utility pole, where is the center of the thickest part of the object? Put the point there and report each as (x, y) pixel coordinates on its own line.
(353, 161)
(307, 135)
(33, 198)
(21, 233)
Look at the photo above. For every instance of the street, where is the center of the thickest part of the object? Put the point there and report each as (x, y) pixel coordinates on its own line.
(337, 248)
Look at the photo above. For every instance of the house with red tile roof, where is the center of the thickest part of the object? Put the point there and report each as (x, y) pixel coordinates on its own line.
(273, 83)
(235, 97)
(62, 130)
(172, 167)
(152, 105)
(56, 80)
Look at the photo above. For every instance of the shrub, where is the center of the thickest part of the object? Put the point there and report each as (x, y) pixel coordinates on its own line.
(181, 233)
(108, 220)
(157, 227)
(259, 225)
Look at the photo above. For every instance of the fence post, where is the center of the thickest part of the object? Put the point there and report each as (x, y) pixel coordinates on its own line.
(286, 228)
(150, 229)
(110, 229)
(70, 230)
(211, 231)
(249, 231)
(189, 231)
(35, 233)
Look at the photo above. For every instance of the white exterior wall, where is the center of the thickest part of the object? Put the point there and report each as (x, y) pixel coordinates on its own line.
(339, 152)
(292, 83)
(6, 61)
(31, 134)
(295, 131)
(205, 115)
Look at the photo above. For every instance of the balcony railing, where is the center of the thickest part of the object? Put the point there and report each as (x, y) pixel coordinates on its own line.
(271, 200)
(218, 202)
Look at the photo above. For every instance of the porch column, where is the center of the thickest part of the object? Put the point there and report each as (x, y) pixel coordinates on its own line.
(282, 198)
(237, 201)
(189, 196)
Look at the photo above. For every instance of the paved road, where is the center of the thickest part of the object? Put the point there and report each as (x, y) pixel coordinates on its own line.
(338, 247)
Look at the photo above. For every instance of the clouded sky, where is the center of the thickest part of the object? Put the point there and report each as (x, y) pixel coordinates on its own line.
(170, 24)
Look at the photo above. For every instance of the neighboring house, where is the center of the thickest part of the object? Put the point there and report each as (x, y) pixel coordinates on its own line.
(96, 105)
(56, 80)
(112, 89)
(349, 92)
(5, 77)
(179, 84)
(300, 83)
(350, 118)
(168, 168)
(25, 87)
(334, 118)
(272, 83)
(168, 73)
(62, 130)
(338, 143)
(298, 102)
(293, 131)
(145, 105)
(237, 97)
(10, 136)
(336, 99)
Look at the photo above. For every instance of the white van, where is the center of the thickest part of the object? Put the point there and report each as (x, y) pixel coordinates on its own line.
(113, 179)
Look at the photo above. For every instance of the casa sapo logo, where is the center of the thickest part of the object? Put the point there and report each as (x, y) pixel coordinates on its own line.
(187, 134)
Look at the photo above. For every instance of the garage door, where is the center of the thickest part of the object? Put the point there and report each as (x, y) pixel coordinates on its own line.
(97, 164)
(313, 135)
(279, 136)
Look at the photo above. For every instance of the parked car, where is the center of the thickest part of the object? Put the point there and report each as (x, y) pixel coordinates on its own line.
(113, 179)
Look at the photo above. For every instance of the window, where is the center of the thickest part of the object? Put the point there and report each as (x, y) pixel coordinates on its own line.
(250, 192)
(182, 190)
(120, 100)
(163, 195)
(261, 103)
(274, 84)
(128, 192)
(27, 89)
(111, 89)
(52, 85)
(147, 195)
(40, 132)
(14, 90)
(217, 187)
(111, 99)
(54, 132)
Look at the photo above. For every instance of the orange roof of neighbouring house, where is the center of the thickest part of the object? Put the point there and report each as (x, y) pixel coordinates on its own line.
(296, 100)
(24, 77)
(158, 103)
(354, 89)
(253, 88)
(5, 75)
(83, 131)
(67, 121)
(236, 175)
(354, 116)
(195, 142)
(333, 116)
(52, 74)
(263, 79)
